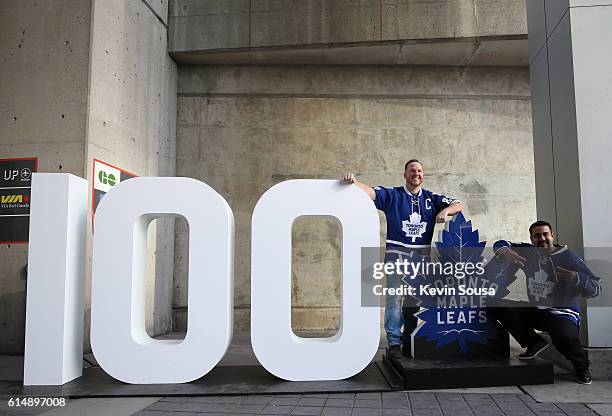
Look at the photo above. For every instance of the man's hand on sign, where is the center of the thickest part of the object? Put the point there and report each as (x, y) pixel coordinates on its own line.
(350, 178)
(511, 255)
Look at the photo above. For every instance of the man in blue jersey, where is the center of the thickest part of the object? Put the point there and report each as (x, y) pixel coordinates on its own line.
(556, 279)
(412, 212)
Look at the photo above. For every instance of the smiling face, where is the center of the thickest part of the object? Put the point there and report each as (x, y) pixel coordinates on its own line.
(414, 175)
(543, 237)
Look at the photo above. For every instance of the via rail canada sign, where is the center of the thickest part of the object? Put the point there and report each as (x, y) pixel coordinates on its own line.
(119, 340)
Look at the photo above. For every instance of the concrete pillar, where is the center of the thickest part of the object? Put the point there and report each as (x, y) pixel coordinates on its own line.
(84, 79)
(132, 122)
(572, 99)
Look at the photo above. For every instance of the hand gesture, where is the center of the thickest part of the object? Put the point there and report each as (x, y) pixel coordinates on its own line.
(511, 255)
(567, 276)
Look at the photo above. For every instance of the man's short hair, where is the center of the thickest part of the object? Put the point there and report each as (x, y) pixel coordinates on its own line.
(412, 161)
(540, 223)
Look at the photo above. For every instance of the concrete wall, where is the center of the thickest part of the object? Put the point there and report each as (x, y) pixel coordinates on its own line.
(132, 122)
(44, 50)
(204, 25)
(241, 129)
(376, 32)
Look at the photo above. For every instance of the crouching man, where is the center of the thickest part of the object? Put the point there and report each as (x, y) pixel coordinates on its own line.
(556, 279)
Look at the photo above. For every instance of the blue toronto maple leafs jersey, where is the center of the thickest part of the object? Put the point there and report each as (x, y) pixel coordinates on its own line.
(545, 289)
(410, 218)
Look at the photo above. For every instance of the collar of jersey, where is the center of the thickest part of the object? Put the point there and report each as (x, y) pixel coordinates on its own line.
(412, 195)
(560, 249)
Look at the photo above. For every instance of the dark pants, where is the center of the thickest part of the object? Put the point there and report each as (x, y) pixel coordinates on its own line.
(521, 322)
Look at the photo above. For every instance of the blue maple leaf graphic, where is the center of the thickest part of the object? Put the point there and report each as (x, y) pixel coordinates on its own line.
(460, 243)
(460, 235)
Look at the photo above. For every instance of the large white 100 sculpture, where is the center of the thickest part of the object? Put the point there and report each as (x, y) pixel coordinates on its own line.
(118, 336)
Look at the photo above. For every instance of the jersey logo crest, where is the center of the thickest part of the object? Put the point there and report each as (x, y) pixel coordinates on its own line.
(414, 227)
(539, 286)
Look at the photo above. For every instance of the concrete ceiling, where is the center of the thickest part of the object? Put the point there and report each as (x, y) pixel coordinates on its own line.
(468, 52)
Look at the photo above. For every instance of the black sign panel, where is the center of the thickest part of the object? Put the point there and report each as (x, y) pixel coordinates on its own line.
(15, 183)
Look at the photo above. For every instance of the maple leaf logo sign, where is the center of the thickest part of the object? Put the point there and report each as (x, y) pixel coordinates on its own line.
(452, 318)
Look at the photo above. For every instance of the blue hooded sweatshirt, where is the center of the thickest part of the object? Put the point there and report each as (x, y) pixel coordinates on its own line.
(557, 297)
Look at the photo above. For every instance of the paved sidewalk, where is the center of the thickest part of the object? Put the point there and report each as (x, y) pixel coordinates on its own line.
(565, 397)
(371, 404)
(360, 404)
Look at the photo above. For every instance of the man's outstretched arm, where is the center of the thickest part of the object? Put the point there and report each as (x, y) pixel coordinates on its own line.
(451, 210)
(350, 178)
(581, 277)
